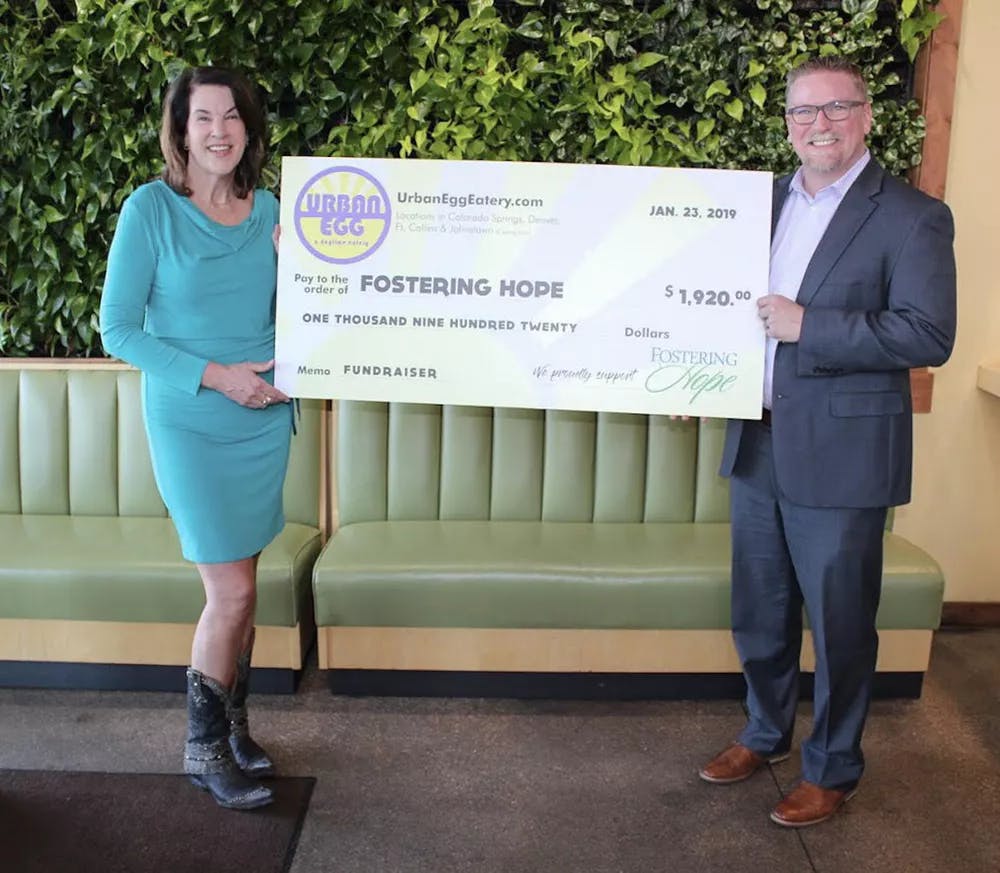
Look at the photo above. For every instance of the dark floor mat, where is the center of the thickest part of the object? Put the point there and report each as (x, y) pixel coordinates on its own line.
(141, 823)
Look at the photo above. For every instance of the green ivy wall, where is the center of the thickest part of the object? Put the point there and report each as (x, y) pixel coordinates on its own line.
(675, 83)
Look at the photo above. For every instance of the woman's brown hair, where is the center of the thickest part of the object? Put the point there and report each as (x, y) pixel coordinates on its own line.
(173, 128)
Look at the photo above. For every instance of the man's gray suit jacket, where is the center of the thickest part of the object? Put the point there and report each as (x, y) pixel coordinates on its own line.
(879, 295)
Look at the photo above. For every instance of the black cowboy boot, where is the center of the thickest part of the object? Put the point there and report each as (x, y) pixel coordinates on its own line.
(208, 760)
(252, 759)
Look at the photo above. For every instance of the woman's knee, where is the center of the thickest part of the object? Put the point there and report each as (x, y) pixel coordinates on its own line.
(232, 592)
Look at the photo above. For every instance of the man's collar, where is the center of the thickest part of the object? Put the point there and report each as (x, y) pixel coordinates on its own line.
(839, 188)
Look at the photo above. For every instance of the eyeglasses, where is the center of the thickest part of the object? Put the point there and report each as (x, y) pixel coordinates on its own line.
(835, 110)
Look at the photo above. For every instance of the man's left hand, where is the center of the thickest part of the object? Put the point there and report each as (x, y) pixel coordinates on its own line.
(782, 317)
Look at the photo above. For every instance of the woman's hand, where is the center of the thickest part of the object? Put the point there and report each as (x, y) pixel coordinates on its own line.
(241, 384)
(276, 237)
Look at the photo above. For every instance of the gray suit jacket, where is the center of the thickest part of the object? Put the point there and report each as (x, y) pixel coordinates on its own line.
(879, 298)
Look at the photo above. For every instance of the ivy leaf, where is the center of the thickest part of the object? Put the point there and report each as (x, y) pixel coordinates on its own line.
(49, 247)
(646, 60)
(430, 36)
(734, 108)
(477, 8)
(50, 215)
(717, 87)
(533, 26)
(21, 276)
(618, 126)
(419, 78)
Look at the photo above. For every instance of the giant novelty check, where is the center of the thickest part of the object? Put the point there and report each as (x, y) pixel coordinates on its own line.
(561, 286)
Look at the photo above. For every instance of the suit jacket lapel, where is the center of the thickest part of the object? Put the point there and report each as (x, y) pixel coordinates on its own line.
(852, 213)
(778, 200)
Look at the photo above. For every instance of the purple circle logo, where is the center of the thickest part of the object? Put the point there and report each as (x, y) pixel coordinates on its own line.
(342, 215)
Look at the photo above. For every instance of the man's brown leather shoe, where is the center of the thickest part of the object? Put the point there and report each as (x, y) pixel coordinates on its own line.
(809, 804)
(735, 764)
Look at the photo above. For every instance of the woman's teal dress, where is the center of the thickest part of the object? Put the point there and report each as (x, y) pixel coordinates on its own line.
(181, 291)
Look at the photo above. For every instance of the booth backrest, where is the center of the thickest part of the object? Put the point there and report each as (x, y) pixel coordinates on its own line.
(421, 462)
(72, 442)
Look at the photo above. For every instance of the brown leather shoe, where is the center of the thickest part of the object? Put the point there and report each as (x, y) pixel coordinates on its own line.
(809, 804)
(736, 763)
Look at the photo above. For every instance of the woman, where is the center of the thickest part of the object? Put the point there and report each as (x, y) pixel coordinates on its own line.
(189, 300)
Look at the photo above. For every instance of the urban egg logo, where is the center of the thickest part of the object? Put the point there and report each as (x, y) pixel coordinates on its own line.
(342, 215)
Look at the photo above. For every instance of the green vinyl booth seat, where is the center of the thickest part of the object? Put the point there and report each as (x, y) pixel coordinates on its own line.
(93, 587)
(533, 541)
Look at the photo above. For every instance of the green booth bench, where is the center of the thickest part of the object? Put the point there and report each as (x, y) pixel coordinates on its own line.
(94, 591)
(545, 553)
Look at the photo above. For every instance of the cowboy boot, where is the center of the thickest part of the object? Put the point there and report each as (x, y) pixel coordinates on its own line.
(250, 757)
(208, 760)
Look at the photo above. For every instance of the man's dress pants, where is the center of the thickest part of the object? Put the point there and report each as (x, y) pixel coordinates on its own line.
(829, 560)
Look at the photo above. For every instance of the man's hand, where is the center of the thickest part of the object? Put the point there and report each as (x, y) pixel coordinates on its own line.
(241, 384)
(782, 317)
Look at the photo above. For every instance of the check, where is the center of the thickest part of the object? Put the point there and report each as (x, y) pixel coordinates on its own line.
(562, 286)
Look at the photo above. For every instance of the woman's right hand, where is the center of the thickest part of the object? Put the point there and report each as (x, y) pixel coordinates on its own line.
(241, 384)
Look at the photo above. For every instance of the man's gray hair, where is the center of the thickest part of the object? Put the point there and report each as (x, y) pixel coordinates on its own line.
(828, 64)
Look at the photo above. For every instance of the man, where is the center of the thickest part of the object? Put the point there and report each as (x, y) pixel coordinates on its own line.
(862, 288)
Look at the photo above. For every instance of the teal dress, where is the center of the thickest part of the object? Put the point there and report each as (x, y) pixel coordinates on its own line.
(183, 290)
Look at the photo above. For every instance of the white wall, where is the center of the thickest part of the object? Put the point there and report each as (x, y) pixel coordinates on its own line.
(955, 513)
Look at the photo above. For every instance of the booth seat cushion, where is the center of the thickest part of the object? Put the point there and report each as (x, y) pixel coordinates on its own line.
(509, 574)
(130, 569)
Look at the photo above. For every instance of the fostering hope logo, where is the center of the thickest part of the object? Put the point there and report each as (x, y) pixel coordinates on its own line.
(342, 215)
